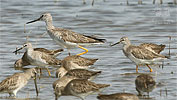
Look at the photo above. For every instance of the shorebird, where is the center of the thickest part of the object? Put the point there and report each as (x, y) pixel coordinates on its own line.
(117, 96)
(77, 62)
(153, 47)
(67, 38)
(74, 62)
(40, 59)
(14, 83)
(79, 88)
(24, 60)
(79, 73)
(138, 54)
(144, 83)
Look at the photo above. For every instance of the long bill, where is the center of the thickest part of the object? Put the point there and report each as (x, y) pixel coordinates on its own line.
(18, 50)
(35, 20)
(35, 83)
(115, 43)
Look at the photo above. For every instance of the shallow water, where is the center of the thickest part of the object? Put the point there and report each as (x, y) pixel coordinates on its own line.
(111, 20)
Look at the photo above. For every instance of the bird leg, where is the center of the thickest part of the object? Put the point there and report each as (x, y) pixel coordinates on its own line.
(137, 68)
(83, 49)
(84, 2)
(48, 71)
(93, 2)
(149, 67)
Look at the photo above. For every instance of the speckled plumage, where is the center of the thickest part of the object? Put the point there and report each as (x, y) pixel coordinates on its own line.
(64, 37)
(14, 83)
(24, 60)
(117, 96)
(75, 61)
(38, 58)
(139, 55)
(79, 73)
(153, 47)
(82, 88)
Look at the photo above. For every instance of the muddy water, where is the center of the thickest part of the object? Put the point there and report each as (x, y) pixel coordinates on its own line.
(110, 20)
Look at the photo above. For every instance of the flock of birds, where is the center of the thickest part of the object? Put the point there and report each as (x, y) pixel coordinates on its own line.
(74, 78)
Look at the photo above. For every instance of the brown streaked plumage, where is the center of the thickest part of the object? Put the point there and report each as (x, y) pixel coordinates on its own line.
(81, 88)
(14, 83)
(59, 84)
(79, 73)
(117, 96)
(40, 59)
(75, 61)
(144, 83)
(139, 55)
(153, 47)
(83, 73)
(67, 38)
(24, 61)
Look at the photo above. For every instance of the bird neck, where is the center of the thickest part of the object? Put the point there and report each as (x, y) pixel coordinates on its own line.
(29, 50)
(62, 72)
(49, 24)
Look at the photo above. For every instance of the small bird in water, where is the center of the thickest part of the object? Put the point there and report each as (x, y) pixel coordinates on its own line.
(117, 96)
(24, 61)
(144, 83)
(139, 55)
(79, 88)
(14, 83)
(77, 62)
(40, 59)
(79, 73)
(67, 38)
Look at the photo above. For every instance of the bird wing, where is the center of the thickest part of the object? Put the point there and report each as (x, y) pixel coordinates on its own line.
(80, 73)
(81, 61)
(70, 36)
(10, 83)
(153, 47)
(142, 53)
(82, 86)
(49, 59)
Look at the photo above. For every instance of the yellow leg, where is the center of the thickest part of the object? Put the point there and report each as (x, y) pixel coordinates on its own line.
(48, 72)
(83, 49)
(137, 68)
(149, 68)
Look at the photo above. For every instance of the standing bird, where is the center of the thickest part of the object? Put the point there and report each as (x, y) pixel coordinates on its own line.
(117, 96)
(14, 83)
(67, 38)
(138, 54)
(80, 88)
(144, 83)
(40, 59)
(24, 61)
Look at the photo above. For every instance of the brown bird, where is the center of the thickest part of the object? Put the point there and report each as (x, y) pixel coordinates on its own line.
(40, 59)
(145, 83)
(80, 88)
(24, 61)
(14, 83)
(80, 74)
(139, 55)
